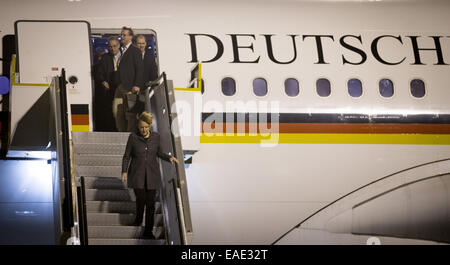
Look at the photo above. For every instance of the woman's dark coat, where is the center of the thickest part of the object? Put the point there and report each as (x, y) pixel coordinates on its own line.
(143, 154)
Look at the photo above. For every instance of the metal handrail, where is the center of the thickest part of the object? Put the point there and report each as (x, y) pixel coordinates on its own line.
(149, 90)
(156, 81)
(82, 220)
(67, 175)
(174, 181)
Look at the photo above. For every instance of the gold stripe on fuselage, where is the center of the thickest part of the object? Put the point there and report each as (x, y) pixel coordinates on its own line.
(328, 138)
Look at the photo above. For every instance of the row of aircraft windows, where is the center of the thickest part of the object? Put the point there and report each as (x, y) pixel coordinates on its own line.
(323, 87)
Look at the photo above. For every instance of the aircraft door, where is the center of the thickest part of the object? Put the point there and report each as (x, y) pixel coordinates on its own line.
(43, 49)
(102, 97)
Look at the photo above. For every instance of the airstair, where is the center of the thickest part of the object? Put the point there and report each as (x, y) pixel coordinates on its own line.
(109, 205)
(106, 207)
(63, 186)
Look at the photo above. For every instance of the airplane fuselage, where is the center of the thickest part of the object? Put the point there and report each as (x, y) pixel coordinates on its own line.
(255, 177)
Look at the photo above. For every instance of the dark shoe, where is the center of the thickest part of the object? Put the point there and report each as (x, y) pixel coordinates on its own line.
(148, 235)
(137, 223)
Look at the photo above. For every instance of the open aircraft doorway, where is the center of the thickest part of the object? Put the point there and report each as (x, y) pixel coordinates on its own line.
(102, 96)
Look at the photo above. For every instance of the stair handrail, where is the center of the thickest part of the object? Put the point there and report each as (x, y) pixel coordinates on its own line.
(152, 83)
(67, 174)
(175, 181)
(59, 114)
(149, 90)
(82, 215)
(161, 82)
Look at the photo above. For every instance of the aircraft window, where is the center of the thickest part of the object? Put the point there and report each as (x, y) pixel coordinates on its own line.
(354, 87)
(323, 87)
(386, 88)
(228, 86)
(417, 88)
(260, 87)
(291, 87)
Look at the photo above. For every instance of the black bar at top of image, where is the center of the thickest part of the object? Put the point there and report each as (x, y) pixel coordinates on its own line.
(79, 108)
(327, 118)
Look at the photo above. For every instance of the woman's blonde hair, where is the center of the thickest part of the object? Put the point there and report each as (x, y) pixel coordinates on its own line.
(146, 117)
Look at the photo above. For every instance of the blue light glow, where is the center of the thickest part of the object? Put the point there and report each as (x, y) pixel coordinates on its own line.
(4, 85)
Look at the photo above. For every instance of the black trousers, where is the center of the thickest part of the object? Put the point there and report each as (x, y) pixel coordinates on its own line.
(145, 199)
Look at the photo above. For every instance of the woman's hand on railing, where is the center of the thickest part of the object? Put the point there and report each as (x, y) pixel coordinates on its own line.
(124, 177)
(173, 159)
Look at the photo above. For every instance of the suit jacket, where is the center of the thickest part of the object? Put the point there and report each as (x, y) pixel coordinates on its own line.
(140, 161)
(105, 71)
(150, 69)
(131, 68)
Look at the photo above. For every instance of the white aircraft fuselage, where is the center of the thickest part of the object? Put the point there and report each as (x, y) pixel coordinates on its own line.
(253, 183)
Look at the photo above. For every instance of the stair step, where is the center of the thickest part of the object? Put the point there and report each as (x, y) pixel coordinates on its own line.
(115, 231)
(100, 137)
(109, 195)
(110, 219)
(122, 232)
(110, 207)
(99, 148)
(117, 219)
(104, 183)
(98, 160)
(106, 241)
(115, 207)
(99, 171)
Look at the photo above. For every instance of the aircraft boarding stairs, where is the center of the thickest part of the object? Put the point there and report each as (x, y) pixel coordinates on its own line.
(78, 197)
(106, 206)
(110, 205)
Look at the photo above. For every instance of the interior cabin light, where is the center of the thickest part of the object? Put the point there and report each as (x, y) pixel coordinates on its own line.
(4, 85)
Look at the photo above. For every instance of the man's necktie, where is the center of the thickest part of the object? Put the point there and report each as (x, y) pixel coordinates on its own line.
(115, 63)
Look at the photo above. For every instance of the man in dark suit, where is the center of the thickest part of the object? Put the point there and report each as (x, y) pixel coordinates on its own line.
(148, 59)
(131, 80)
(107, 80)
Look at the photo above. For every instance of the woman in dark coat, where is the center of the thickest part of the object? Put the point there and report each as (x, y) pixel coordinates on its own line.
(143, 174)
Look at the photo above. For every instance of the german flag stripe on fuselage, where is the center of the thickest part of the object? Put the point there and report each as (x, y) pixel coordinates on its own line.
(80, 117)
(325, 128)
